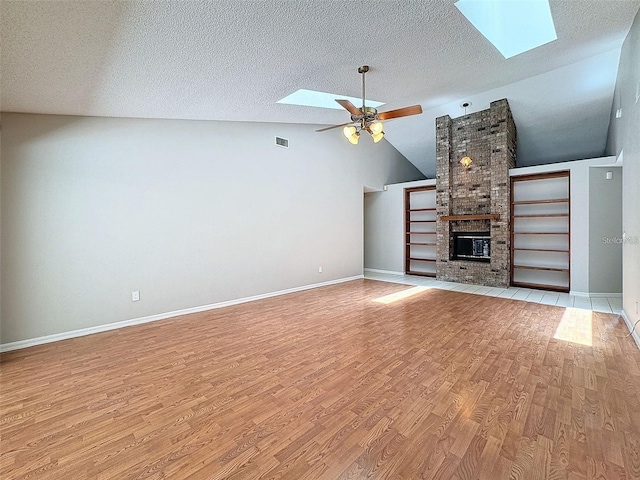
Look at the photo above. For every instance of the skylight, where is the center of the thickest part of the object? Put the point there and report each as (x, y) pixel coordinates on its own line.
(311, 98)
(512, 26)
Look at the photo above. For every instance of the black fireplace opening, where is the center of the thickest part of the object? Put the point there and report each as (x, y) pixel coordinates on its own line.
(472, 246)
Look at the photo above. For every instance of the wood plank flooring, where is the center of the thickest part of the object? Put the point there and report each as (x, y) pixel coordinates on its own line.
(329, 384)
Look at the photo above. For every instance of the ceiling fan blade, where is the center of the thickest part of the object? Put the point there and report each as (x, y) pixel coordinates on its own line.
(349, 107)
(334, 126)
(400, 112)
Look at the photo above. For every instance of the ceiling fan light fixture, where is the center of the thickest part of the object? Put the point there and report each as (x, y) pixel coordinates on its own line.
(377, 136)
(349, 131)
(354, 138)
(375, 128)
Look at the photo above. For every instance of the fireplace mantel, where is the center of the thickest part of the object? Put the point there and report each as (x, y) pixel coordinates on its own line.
(490, 216)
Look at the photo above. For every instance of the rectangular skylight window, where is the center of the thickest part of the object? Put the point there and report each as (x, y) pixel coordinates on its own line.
(512, 26)
(311, 98)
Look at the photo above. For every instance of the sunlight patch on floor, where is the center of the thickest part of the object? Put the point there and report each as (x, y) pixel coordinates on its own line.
(395, 297)
(575, 326)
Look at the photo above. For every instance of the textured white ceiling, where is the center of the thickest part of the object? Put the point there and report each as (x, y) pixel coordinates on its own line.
(232, 60)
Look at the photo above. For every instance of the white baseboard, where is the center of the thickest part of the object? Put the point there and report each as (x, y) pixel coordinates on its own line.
(595, 295)
(385, 272)
(7, 347)
(629, 323)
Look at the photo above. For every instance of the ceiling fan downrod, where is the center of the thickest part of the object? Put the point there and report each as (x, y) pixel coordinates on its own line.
(363, 70)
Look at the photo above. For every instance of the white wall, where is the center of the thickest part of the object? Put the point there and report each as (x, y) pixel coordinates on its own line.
(384, 227)
(605, 230)
(624, 136)
(384, 217)
(190, 213)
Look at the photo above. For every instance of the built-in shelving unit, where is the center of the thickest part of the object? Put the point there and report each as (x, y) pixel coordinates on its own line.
(540, 233)
(420, 231)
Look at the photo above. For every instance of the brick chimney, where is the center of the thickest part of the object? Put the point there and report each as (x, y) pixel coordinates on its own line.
(488, 137)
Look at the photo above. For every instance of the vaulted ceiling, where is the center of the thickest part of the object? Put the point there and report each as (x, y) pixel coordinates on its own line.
(232, 60)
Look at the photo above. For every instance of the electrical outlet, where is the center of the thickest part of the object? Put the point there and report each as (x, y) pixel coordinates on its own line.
(135, 296)
(319, 269)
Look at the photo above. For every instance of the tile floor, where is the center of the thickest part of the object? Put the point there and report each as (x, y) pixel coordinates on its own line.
(601, 304)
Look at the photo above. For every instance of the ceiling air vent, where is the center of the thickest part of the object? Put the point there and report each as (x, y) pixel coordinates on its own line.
(282, 142)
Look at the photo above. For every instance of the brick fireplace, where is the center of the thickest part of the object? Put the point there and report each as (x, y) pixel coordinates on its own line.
(473, 202)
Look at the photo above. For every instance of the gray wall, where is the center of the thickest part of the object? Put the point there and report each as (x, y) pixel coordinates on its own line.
(190, 213)
(605, 230)
(624, 136)
(384, 227)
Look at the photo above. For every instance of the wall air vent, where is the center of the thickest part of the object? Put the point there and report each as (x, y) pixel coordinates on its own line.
(282, 142)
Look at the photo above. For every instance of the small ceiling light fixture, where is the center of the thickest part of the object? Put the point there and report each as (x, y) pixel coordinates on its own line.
(466, 160)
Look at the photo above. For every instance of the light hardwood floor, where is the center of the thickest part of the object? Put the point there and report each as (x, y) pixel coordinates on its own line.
(328, 383)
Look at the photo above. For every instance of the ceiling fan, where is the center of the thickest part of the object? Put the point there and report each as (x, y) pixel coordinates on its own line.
(368, 118)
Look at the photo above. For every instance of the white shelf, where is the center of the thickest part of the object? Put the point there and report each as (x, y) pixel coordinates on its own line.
(420, 230)
(540, 220)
